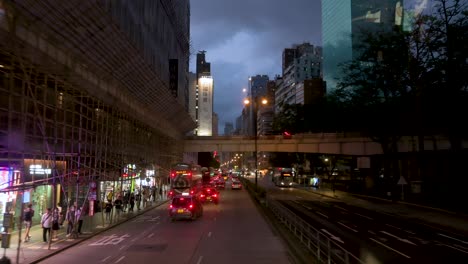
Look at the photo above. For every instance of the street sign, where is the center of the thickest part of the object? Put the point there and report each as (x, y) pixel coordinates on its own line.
(402, 181)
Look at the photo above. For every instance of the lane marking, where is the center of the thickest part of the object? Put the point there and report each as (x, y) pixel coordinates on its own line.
(393, 226)
(364, 216)
(410, 232)
(298, 197)
(150, 235)
(199, 259)
(454, 248)
(120, 259)
(372, 232)
(122, 247)
(321, 214)
(339, 207)
(464, 242)
(399, 238)
(332, 236)
(348, 227)
(209, 234)
(390, 248)
(306, 207)
(104, 260)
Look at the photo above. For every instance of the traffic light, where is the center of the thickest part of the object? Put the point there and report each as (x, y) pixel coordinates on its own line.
(287, 135)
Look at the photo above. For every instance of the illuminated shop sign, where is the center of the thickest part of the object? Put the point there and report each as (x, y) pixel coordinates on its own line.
(5, 177)
(37, 169)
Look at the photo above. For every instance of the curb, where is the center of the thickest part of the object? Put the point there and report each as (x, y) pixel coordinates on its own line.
(37, 260)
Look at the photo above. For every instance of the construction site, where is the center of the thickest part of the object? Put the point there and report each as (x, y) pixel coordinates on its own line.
(87, 99)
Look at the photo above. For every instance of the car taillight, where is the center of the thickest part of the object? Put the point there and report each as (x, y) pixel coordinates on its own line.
(191, 206)
(214, 195)
(202, 195)
(170, 206)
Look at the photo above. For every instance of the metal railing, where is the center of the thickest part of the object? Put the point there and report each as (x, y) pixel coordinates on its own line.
(319, 244)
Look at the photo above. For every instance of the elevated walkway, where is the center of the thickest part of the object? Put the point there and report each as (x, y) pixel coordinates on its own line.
(324, 143)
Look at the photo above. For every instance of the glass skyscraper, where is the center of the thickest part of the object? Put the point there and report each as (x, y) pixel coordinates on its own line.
(342, 20)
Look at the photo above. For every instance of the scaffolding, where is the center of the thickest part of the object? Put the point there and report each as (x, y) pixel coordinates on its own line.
(78, 98)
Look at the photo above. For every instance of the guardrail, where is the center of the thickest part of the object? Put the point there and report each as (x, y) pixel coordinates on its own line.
(319, 243)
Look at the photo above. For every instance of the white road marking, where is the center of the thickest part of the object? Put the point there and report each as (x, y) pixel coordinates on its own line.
(104, 260)
(390, 248)
(454, 248)
(372, 232)
(108, 240)
(410, 232)
(120, 259)
(122, 247)
(339, 207)
(150, 235)
(299, 197)
(393, 226)
(307, 207)
(399, 238)
(364, 216)
(321, 214)
(209, 234)
(332, 236)
(199, 259)
(348, 227)
(464, 242)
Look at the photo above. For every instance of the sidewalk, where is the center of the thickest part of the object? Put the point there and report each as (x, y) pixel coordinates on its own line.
(36, 250)
(433, 217)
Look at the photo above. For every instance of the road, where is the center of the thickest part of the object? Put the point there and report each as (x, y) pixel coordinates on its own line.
(231, 232)
(372, 236)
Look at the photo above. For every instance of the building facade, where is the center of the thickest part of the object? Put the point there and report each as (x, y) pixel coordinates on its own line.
(204, 96)
(101, 105)
(342, 22)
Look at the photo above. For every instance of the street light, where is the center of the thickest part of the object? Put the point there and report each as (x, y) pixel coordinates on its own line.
(255, 103)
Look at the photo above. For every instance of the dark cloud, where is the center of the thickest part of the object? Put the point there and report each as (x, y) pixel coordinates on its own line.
(246, 37)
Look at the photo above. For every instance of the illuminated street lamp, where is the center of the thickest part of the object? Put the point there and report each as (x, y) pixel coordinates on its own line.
(256, 101)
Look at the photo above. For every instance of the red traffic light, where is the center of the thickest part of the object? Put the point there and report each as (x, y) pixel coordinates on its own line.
(287, 135)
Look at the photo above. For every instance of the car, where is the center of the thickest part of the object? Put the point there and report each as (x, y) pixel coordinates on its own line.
(236, 185)
(220, 183)
(185, 207)
(209, 194)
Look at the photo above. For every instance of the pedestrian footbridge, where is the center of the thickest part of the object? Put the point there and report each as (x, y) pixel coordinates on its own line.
(324, 143)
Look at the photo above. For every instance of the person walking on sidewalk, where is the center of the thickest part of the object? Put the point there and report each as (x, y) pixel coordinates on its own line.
(27, 217)
(70, 220)
(55, 222)
(132, 202)
(79, 218)
(108, 210)
(46, 223)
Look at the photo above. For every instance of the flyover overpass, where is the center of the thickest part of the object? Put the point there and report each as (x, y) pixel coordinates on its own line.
(324, 143)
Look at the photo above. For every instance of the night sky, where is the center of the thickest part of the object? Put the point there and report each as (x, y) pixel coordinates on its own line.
(243, 38)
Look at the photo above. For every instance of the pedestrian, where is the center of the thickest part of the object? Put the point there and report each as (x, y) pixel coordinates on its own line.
(132, 202)
(138, 201)
(27, 217)
(61, 214)
(118, 205)
(55, 222)
(71, 220)
(46, 223)
(79, 218)
(160, 193)
(108, 209)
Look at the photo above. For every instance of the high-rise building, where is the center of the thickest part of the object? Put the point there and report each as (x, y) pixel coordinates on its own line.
(228, 129)
(301, 62)
(204, 97)
(343, 20)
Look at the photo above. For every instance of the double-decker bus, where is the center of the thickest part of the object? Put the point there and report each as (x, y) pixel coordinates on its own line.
(283, 177)
(184, 178)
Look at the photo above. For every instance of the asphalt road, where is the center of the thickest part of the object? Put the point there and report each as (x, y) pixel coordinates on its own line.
(373, 237)
(231, 232)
